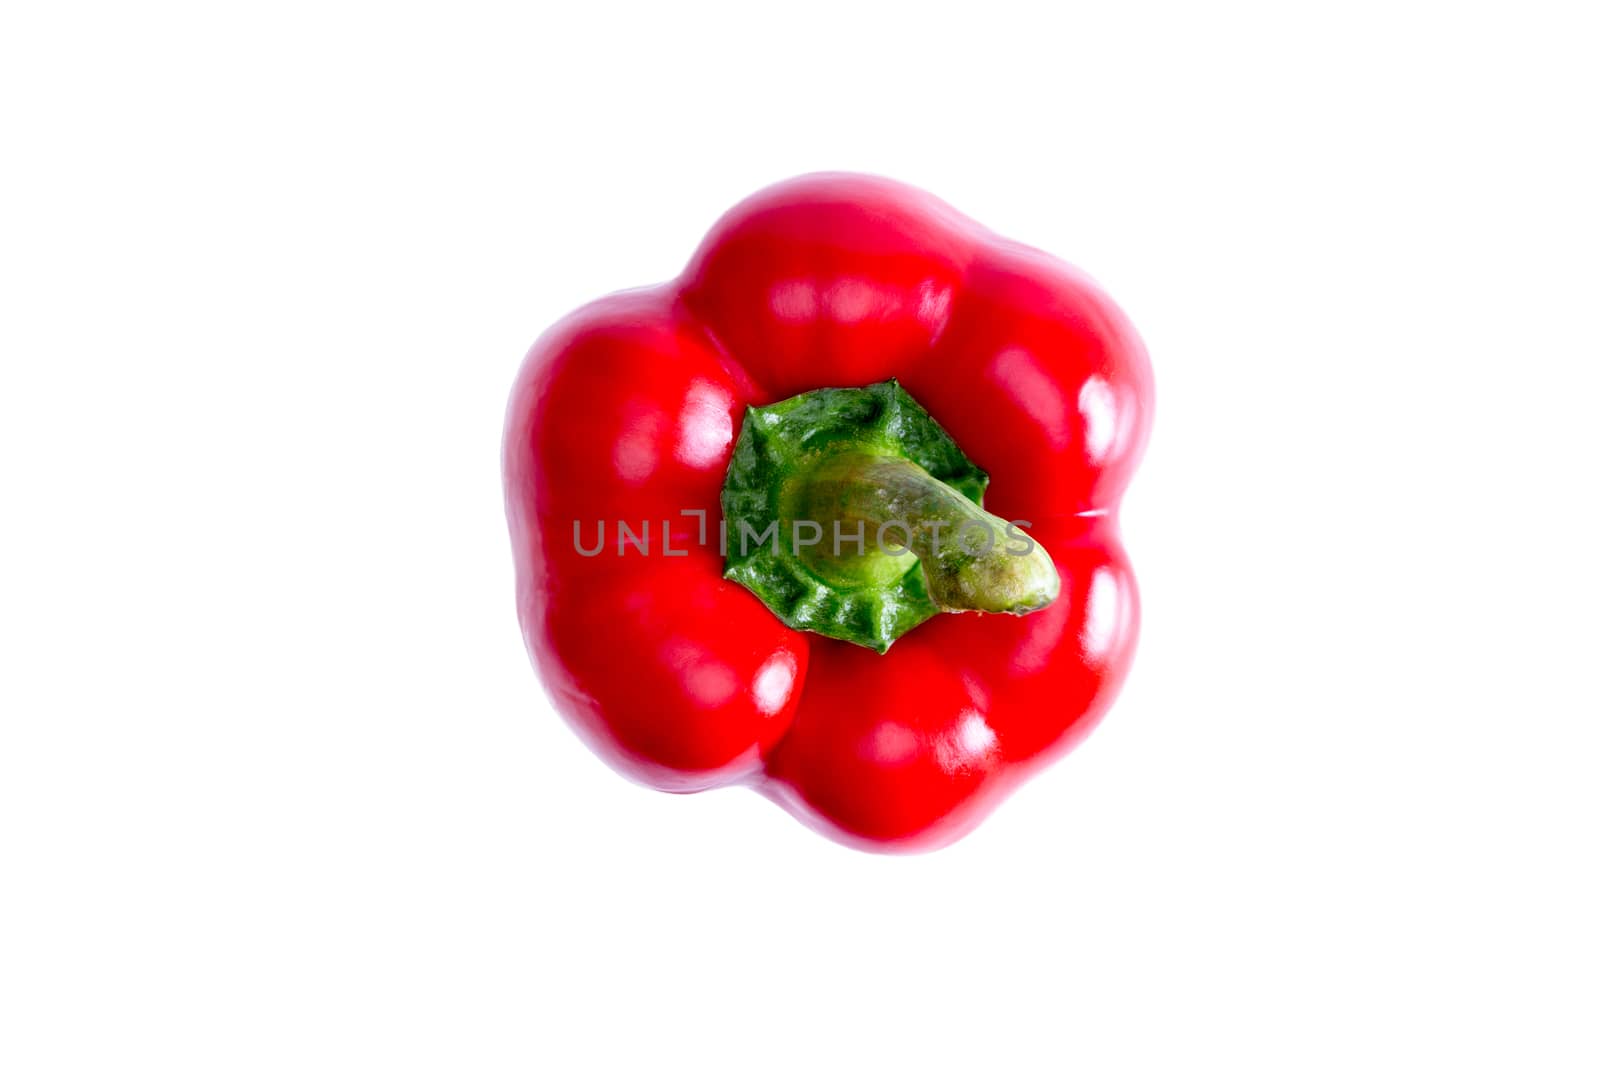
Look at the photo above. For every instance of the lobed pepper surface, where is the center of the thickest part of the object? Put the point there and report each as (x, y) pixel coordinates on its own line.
(839, 346)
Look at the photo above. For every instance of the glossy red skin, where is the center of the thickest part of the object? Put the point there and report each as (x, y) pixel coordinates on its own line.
(628, 409)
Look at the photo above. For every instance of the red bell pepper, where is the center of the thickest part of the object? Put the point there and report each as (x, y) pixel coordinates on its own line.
(840, 349)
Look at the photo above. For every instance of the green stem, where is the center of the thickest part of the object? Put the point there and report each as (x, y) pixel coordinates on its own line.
(851, 513)
(971, 560)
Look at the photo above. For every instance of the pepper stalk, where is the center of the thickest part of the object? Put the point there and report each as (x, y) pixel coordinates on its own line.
(892, 509)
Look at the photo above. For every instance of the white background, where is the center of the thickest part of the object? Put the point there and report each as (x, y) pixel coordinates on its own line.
(277, 784)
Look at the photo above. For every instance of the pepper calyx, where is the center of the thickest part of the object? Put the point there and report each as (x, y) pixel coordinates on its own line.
(852, 513)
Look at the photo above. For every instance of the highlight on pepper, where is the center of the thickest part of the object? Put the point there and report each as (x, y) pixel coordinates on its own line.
(833, 515)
